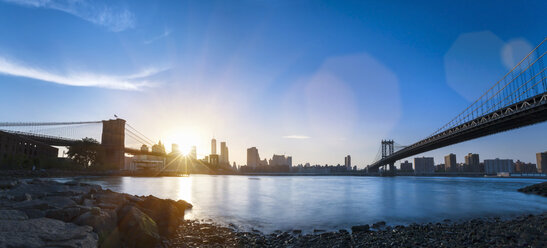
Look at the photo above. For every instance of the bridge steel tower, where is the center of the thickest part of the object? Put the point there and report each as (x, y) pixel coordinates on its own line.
(387, 150)
(113, 142)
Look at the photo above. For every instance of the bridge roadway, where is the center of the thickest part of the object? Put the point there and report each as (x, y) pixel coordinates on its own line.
(527, 112)
(60, 141)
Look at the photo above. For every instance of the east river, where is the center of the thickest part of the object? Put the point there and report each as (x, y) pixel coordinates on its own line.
(307, 203)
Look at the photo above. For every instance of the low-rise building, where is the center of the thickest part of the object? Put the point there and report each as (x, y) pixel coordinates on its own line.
(495, 166)
(424, 165)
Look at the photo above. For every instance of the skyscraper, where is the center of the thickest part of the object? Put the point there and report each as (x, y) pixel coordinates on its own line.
(450, 164)
(213, 146)
(347, 162)
(541, 158)
(494, 166)
(253, 159)
(472, 163)
(224, 153)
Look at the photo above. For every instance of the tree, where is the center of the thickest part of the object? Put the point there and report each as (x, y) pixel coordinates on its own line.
(86, 153)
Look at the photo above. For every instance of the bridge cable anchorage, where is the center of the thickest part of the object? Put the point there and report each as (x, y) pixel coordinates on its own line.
(137, 131)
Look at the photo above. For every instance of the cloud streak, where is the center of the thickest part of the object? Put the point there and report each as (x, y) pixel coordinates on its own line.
(115, 19)
(136, 81)
(161, 36)
(296, 137)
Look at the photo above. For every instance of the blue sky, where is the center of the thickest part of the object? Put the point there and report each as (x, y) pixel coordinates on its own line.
(313, 79)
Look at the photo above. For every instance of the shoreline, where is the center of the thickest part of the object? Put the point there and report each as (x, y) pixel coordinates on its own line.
(79, 173)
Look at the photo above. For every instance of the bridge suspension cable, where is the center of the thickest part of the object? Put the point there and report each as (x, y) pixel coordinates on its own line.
(524, 80)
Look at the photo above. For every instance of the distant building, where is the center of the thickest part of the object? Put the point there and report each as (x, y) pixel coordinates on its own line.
(193, 153)
(521, 167)
(440, 168)
(289, 161)
(213, 146)
(424, 165)
(406, 166)
(472, 163)
(224, 153)
(347, 162)
(253, 159)
(542, 162)
(158, 148)
(450, 164)
(213, 160)
(495, 166)
(175, 148)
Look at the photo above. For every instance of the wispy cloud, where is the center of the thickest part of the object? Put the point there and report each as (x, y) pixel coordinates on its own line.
(114, 18)
(136, 81)
(296, 137)
(161, 36)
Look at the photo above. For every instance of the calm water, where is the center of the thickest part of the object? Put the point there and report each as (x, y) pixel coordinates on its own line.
(269, 203)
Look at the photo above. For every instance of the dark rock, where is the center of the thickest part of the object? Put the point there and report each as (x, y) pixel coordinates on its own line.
(168, 214)
(378, 224)
(65, 214)
(102, 221)
(8, 184)
(538, 189)
(362, 228)
(34, 213)
(136, 228)
(12, 215)
(44, 232)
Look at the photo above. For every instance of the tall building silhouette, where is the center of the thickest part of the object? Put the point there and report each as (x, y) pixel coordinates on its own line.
(347, 162)
(224, 153)
(193, 153)
(472, 163)
(450, 164)
(253, 159)
(213, 146)
(541, 158)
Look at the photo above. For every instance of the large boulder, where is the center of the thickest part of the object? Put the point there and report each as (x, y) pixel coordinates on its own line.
(168, 214)
(44, 232)
(136, 228)
(103, 222)
(12, 215)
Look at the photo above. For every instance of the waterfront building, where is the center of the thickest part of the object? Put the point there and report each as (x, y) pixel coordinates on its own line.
(450, 164)
(526, 168)
(472, 163)
(542, 162)
(347, 162)
(146, 162)
(406, 166)
(495, 166)
(224, 153)
(289, 161)
(424, 165)
(253, 159)
(440, 168)
(16, 148)
(213, 146)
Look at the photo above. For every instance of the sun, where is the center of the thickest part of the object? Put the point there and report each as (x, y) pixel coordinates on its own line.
(184, 138)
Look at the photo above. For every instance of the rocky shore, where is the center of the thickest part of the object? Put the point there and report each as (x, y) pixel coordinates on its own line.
(43, 213)
(538, 189)
(524, 231)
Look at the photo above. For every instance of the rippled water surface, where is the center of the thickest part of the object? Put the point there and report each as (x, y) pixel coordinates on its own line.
(269, 203)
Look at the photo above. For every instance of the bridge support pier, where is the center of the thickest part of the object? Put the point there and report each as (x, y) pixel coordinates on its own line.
(113, 142)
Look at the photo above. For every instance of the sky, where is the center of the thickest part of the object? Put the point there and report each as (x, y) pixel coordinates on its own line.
(316, 80)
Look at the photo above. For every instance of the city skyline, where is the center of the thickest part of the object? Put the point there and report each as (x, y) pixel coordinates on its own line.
(319, 96)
